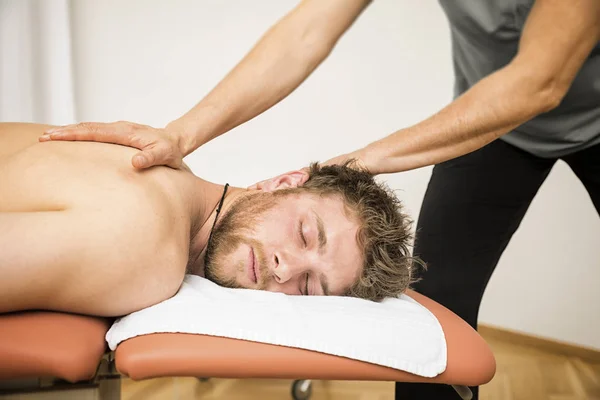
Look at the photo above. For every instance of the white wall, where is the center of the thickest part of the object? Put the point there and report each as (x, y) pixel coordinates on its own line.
(36, 76)
(150, 61)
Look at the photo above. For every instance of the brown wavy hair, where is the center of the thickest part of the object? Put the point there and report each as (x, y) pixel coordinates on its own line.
(384, 233)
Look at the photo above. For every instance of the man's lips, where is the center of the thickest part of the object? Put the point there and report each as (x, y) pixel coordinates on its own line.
(252, 270)
(256, 266)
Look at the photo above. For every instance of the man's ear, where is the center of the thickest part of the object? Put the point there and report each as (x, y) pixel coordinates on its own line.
(288, 180)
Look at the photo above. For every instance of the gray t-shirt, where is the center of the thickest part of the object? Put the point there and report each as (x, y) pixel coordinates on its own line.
(485, 37)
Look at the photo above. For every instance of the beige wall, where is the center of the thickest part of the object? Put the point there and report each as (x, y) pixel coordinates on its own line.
(150, 61)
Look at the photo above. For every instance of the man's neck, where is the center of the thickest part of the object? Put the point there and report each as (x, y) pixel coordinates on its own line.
(204, 201)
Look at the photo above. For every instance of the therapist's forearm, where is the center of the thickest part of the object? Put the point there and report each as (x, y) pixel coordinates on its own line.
(490, 109)
(281, 60)
(270, 72)
(535, 81)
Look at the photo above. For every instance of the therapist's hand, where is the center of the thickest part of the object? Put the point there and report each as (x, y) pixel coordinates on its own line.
(358, 157)
(159, 146)
(359, 162)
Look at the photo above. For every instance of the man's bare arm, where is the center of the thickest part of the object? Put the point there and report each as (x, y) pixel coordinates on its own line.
(557, 38)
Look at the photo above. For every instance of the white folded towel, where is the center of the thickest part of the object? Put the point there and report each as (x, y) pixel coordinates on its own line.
(397, 332)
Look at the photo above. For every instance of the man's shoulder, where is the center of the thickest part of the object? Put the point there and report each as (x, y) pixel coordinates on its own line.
(156, 196)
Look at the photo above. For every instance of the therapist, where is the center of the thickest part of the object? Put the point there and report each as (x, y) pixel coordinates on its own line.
(527, 73)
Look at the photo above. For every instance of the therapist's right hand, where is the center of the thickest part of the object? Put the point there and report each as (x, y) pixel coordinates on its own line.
(159, 146)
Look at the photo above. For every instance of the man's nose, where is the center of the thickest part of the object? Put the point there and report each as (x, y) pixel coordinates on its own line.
(286, 266)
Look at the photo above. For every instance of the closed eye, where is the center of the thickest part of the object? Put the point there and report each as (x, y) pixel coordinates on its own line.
(306, 287)
(301, 234)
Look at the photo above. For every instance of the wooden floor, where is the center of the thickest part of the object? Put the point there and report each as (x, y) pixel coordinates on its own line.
(523, 373)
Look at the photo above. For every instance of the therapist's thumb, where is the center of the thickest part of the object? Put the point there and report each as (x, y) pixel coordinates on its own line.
(141, 160)
(161, 154)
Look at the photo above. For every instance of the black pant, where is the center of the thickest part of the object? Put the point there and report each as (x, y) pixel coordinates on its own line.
(472, 207)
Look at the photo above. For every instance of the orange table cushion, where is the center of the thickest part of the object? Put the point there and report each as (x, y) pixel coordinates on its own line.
(51, 344)
(470, 360)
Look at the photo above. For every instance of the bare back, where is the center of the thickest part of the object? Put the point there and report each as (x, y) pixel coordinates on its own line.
(82, 231)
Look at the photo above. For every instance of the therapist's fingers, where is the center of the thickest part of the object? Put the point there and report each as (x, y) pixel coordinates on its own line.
(357, 159)
(116, 132)
(159, 146)
(338, 160)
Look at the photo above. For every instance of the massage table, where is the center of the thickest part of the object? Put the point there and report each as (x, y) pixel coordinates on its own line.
(51, 355)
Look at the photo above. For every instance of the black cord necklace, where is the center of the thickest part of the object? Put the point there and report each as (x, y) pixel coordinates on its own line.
(215, 221)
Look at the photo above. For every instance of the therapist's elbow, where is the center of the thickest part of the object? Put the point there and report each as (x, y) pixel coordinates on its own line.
(306, 40)
(538, 89)
(310, 47)
(545, 91)
(550, 96)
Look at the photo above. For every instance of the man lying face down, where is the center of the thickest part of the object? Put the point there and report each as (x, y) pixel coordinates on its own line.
(330, 231)
(82, 231)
